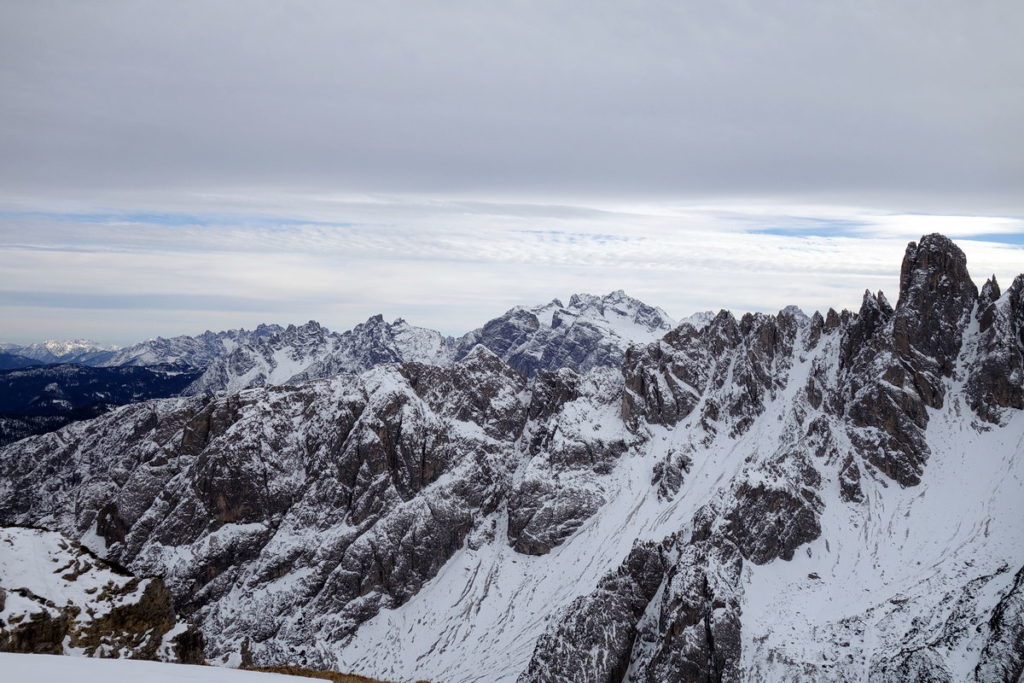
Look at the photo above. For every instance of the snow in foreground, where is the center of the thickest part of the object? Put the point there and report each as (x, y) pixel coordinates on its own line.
(18, 668)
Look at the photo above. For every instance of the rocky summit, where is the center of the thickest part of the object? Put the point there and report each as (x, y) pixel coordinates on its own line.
(589, 492)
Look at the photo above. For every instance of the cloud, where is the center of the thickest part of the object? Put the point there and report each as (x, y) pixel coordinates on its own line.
(450, 264)
(445, 160)
(910, 106)
(995, 228)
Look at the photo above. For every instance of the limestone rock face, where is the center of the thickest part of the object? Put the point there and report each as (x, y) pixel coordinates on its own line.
(995, 382)
(600, 629)
(56, 597)
(1002, 658)
(693, 632)
(895, 361)
(936, 296)
(572, 444)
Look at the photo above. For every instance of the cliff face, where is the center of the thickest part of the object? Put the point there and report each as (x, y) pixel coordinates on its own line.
(765, 497)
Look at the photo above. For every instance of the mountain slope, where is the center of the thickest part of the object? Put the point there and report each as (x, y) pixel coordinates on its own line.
(58, 598)
(19, 668)
(12, 361)
(814, 498)
(38, 399)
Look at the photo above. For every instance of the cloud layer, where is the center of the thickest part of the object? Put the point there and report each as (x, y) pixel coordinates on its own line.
(915, 106)
(447, 264)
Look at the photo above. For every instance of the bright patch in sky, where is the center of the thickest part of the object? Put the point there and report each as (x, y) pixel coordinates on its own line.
(446, 263)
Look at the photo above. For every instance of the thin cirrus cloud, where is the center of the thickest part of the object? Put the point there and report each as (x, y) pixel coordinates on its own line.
(450, 264)
(169, 167)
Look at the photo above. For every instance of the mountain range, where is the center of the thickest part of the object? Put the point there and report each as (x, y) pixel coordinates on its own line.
(582, 492)
(46, 387)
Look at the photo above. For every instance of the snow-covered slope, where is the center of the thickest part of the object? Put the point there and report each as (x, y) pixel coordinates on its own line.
(771, 497)
(56, 597)
(929, 565)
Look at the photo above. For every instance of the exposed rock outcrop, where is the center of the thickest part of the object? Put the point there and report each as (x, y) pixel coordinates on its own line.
(594, 639)
(56, 597)
(1002, 658)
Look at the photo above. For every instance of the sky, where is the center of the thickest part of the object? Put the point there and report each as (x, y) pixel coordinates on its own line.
(167, 168)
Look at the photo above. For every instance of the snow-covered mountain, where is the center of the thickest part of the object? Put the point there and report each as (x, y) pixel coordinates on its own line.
(194, 351)
(590, 332)
(81, 351)
(197, 352)
(772, 497)
(311, 351)
(376, 342)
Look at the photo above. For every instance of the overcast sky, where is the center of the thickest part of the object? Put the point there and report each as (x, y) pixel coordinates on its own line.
(167, 167)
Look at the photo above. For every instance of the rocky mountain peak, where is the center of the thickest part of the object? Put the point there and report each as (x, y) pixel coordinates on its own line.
(310, 328)
(996, 380)
(936, 293)
(481, 355)
(934, 268)
(796, 313)
(990, 292)
(592, 331)
(619, 305)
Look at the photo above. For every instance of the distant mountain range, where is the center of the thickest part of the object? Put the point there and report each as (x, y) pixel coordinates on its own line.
(56, 351)
(590, 332)
(80, 379)
(197, 352)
